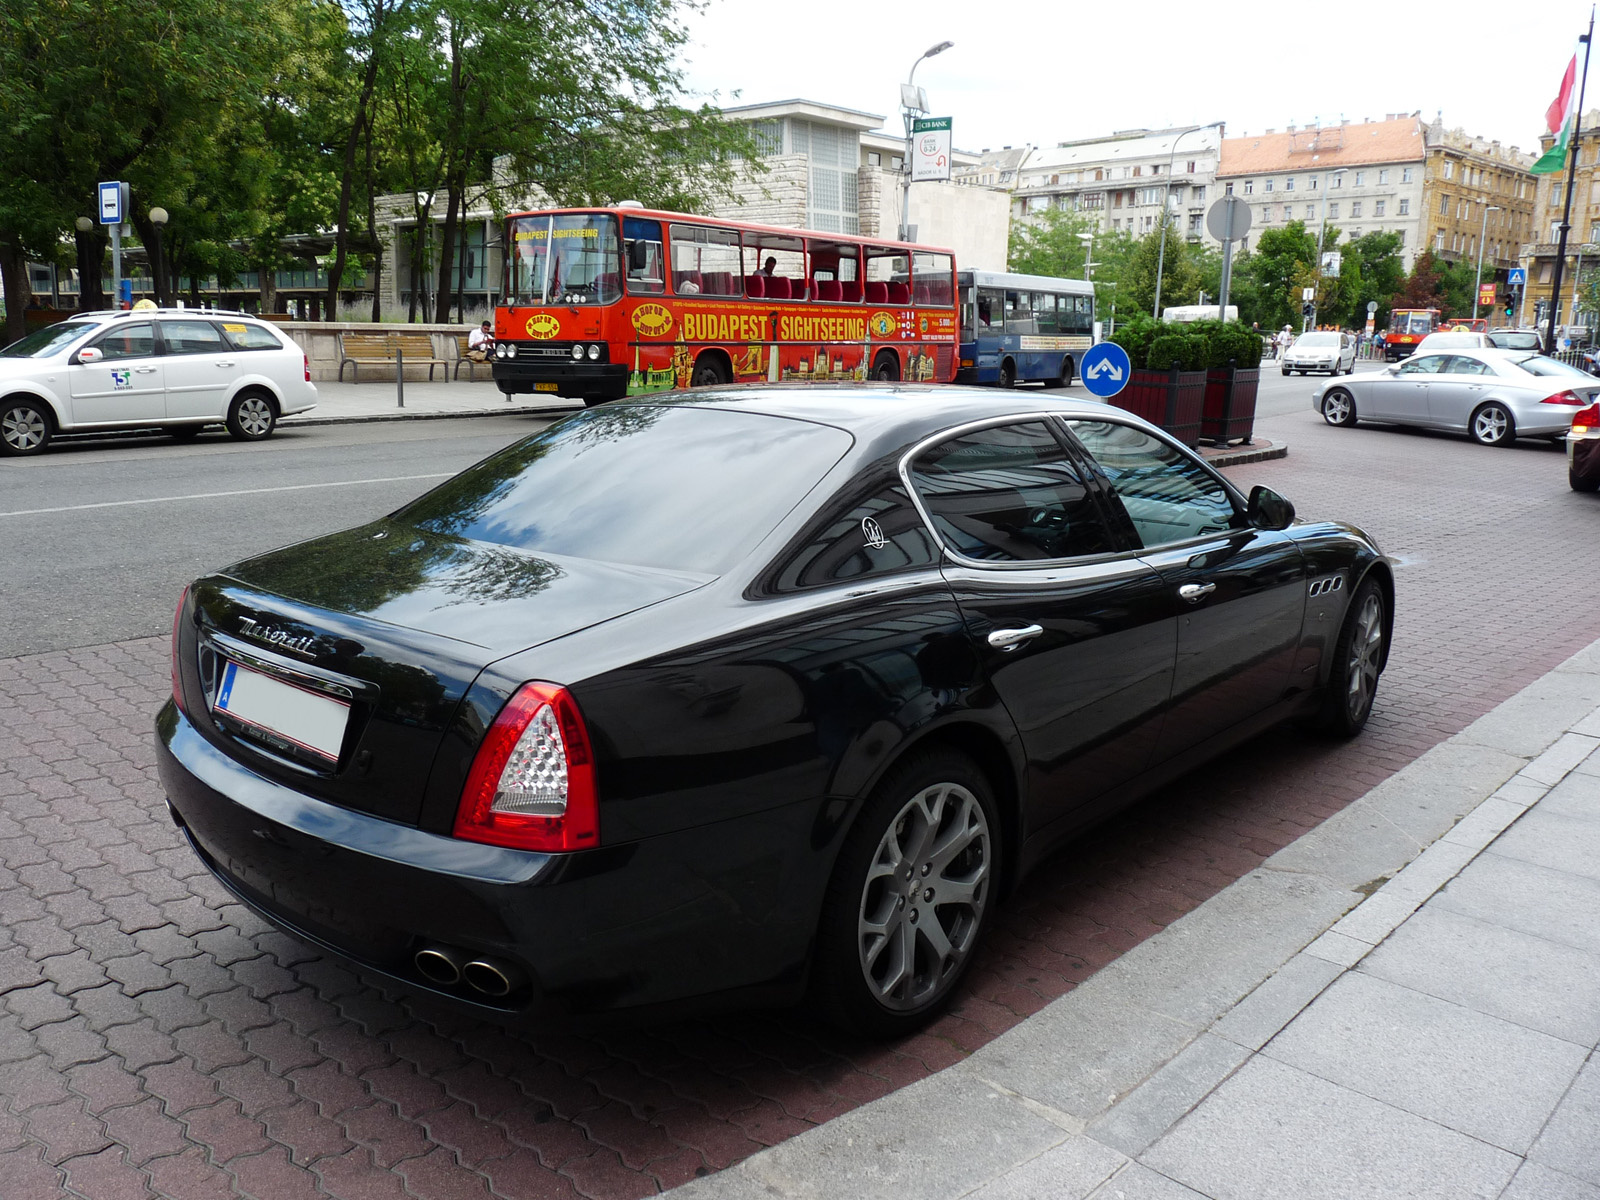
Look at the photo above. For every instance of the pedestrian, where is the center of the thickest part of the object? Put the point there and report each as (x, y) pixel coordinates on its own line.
(480, 342)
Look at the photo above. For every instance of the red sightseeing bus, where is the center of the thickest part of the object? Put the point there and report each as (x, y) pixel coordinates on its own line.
(610, 302)
(1407, 327)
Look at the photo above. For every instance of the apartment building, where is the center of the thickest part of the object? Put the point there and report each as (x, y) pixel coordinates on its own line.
(1538, 254)
(1477, 190)
(1370, 175)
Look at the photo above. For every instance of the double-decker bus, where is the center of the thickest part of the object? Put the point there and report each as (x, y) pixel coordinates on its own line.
(610, 302)
(1016, 328)
(1407, 327)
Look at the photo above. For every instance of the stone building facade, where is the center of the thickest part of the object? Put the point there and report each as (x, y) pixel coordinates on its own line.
(1538, 254)
(1475, 189)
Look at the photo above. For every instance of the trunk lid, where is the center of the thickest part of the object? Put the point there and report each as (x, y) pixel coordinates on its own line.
(336, 665)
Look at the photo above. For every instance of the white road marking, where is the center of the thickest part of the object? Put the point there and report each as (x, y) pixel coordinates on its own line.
(293, 487)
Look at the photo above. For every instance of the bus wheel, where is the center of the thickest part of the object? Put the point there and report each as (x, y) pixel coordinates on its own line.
(1008, 374)
(1064, 379)
(708, 372)
(886, 368)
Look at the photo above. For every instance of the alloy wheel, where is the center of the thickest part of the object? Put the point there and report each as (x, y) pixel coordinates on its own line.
(1336, 408)
(924, 897)
(1366, 657)
(1491, 425)
(24, 429)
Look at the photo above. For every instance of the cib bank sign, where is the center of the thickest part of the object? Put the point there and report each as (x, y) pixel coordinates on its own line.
(930, 149)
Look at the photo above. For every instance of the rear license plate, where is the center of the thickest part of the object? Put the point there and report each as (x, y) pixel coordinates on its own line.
(305, 718)
(545, 387)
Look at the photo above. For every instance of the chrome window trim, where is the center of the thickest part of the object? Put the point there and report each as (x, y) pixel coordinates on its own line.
(1032, 564)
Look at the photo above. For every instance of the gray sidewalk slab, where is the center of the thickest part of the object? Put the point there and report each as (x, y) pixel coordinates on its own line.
(378, 400)
(1404, 1002)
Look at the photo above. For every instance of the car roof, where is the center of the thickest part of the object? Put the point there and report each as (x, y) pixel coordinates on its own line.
(107, 315)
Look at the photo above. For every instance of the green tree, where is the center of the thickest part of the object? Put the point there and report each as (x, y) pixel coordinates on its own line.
(1421, 288)
(1180, 277)
(1277, 267)
(1382, 274)
(1052, 244)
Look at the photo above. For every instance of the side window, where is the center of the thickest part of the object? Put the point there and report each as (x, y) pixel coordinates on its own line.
(250, 337)
(641, 251)
(1428, 364)
(128, 341)
(705, 261)
(1167, 495)
(1461, 365)
(192, 337)
(932, 279)
(991, 312)
(879, 534)
(1009, 493)
(886, 276)
(1044, 312)
(779, 263)
(1019, 313)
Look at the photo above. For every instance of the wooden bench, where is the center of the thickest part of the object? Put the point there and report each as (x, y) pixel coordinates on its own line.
(463, 361)
(358, 349)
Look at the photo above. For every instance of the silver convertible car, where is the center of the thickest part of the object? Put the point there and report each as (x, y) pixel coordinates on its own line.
(1496, 396)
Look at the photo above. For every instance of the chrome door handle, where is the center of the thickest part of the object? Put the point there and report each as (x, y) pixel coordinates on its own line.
(144, 370)
(225, 364)
(1010, 639)
(1196, 592)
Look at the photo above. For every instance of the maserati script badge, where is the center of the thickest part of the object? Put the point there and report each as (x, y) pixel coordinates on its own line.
(873, 533)
(271, 635)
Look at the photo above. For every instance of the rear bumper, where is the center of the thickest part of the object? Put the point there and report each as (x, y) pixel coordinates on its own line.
(579, 380)
(633, 926)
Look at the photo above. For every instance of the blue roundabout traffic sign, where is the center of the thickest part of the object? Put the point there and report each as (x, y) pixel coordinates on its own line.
(1105, 369)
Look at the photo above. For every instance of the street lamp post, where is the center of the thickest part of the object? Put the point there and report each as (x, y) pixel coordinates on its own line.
(1477, 284)
(85, 226)
(1088, 253)
(907, 94)
(158, 222)
(1322, 229)
(1166, 196)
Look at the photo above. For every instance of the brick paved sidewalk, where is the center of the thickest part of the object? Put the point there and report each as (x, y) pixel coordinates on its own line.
(157, 1038)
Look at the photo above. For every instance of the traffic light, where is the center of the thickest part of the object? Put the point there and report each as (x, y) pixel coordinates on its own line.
(1511, 306)
(1307, 309)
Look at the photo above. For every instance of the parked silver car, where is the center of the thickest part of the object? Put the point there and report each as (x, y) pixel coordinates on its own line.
(1494, 395)
(1321, 350)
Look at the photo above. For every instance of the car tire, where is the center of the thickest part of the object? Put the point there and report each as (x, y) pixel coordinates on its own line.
(878, 973)
(1339, 408)
(1008, 374)
(1063, 379)
(1492, 425)
(25, 427)
(1286, 372)
(1358, 661)
(252, 417)
(708, 372)
(183, 433)
(1579, 483)
(886, 368)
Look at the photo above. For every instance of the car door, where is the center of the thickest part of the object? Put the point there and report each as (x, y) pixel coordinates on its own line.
(199, 366)
(123, 383)
(1456, 390)
(1237, 593)
(1403, 396)
(1075, 633)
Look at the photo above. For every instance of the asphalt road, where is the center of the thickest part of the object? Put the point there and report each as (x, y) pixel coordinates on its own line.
(100, 536)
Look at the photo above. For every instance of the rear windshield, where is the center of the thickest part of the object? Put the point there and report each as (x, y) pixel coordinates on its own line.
(678, 488)
(52, 339)
(1453, 341)
(1537, 364)
(1515, 341)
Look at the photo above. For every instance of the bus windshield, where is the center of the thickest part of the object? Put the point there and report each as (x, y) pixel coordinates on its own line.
(1414, 322)
(584, 267)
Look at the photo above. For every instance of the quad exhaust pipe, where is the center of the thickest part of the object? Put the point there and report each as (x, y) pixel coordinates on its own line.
(446, 966)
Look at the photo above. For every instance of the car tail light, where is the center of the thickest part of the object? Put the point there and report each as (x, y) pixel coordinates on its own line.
(1589, 418)
(177, 675)
(1563, 398)
(306, 358)
(532, 786)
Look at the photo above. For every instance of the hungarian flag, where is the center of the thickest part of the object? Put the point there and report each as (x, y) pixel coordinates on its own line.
(1558, 119)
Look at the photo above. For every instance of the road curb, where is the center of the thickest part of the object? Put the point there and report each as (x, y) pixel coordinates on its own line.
(403, 415)
(1259, 451)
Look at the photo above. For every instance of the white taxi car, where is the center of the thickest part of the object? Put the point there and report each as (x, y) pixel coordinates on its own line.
(1321, 350)
(174, 369)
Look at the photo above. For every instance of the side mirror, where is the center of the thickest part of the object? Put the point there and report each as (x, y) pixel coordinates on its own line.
(90, 354)
(1268, 510)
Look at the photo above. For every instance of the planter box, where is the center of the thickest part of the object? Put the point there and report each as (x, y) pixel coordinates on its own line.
(1174, 400)
(1230, 409)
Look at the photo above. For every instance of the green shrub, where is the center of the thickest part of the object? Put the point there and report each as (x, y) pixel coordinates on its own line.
(1196, 345)
(1134, 335)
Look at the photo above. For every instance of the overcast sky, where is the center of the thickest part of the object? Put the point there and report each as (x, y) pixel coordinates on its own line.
(1045, 71)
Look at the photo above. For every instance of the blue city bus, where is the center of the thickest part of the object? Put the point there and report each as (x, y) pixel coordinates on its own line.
(1016, 328)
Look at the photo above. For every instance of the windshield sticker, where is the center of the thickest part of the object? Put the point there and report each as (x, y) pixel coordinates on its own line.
(234, 328)
(121, 379)
(543, 326)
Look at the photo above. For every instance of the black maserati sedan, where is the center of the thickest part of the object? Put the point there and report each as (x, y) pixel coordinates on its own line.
(745, 695)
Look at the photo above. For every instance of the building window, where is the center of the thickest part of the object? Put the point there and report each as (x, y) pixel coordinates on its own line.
(1311, 212)
(1355, 233)
(1333, 210)
(1361, 178)
(1199, 196)
(1449, 169)
(1355, 209)
(1378, 207)
(1338, 181)
(1555, 194)
(1402, 235)
(1191, 168)
(1405, 207)
(1268, 186)
(897, 162)
(1195, 221)
(1312, 183)
(874, 159)
(1405, 175)
(1099, 174)
(1288, 184)
(1444, 205)
(1116, 222)
(1383, 177)
(1094, 200)
(1136, 170)
(1249, 186)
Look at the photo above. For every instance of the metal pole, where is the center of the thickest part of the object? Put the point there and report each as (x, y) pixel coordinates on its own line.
(1227, 273)
(1322, 229)
(1572, 175)
(400, 375)
(116, 266)
(1166, 195)
(905, 184)
(1477, 284)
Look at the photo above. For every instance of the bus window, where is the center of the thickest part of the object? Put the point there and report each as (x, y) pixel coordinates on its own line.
(835, 270)
(705, 261)
(1019, 313)
(991, 311)
(779, 263)
(641, 251)
(1079, 318)
(1045, 309)
(932, 279)
(886, 276)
